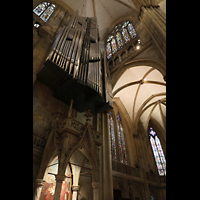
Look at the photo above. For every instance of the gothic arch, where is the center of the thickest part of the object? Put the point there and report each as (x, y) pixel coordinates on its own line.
(93, 161)
(160, 132)
(143, 108)
(131, 16)
(155, 63)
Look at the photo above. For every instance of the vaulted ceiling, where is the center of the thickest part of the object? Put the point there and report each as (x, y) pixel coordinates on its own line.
(142, 91)
(106, 11)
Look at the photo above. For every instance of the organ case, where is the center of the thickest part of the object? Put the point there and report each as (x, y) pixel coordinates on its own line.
(76, 69)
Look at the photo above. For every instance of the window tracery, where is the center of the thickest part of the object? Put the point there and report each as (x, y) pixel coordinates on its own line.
(112, 138)
(125, 35)
(114, 46)
(119, 40)
(158, 152)
(108, 49)
(44, 10)
(121, 140)
(117, 139)
(122, 34)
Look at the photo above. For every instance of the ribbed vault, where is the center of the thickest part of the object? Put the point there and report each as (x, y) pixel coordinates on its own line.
(142, 90)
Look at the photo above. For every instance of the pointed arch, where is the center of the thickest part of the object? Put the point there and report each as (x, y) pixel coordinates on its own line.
(157, 152)
(155, 63)
(119, 151)
(49, 180)
(44, 10)
(121, 34)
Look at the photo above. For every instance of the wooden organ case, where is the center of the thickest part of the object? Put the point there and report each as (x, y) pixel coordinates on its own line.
(76, 69)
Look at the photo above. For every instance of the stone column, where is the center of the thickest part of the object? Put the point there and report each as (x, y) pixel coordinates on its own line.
(107, 165)
(95, 186)
(75, 189)
(38, 189)
(59, 180)
(156, 27)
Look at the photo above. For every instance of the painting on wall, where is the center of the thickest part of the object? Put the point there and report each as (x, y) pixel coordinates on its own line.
(48, 189)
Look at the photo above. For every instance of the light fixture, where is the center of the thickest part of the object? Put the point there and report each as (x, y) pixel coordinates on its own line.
(138, 47)
(138, 44)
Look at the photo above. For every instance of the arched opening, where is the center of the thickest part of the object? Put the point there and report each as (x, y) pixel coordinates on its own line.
(119, 37)
(78, 181)
(48, 189)
(82, 175)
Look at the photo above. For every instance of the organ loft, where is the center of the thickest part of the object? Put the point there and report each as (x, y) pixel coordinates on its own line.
(75, 68)
(99, 100)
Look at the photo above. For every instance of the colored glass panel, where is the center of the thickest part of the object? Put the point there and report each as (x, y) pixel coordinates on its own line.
(45, 16)
(123, 145)
(109, 38)
(114, 46)
(131, 30)
(112, 138)
(119, 40)
(108, 49)
(121, 34)
(125, 35)
(158, 152)
(40, 8)
(125, 24)
(36, 25)
(121, 141)
(152, 132)
(120, 144)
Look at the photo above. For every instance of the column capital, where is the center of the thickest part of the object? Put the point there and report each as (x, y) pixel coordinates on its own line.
(39, 182)
(95, 185)
(60, 177)
(75, 187)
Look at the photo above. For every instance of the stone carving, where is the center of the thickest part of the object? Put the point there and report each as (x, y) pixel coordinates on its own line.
(76, 125)
(38, 141)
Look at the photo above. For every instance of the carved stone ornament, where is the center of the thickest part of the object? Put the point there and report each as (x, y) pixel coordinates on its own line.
(75, 187)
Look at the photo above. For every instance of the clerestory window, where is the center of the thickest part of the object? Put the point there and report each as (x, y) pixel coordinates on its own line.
(122, 34)
(44, 10)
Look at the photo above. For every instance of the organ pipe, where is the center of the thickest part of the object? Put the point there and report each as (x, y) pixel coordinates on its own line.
(75, 55)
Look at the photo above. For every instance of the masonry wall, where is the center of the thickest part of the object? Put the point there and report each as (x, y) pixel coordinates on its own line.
(45, 106)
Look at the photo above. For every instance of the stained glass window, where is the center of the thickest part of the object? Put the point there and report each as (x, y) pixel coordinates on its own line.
(37, 25)
(44, 10)
(112, 137)
(108, 49)
(120, 35)
(114, 46)
(125, 35)
(45, 16)
(40, 8)
(109, 38)
(131, 30)
(125, 24)
(119, 40)
(121, 141)
(158, 152)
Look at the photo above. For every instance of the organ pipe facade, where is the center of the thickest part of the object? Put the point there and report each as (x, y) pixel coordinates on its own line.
(76, 69)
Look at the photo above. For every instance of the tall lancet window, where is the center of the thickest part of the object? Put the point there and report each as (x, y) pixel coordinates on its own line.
(158, 152)
(112, 137)
(121, 141)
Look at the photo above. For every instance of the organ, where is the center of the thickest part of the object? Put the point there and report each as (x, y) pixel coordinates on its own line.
(76, 69)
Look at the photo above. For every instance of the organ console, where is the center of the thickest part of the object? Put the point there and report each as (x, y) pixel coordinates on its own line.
(76, 69)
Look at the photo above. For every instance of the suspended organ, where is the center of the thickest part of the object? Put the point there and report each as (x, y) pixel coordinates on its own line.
(75, 68)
